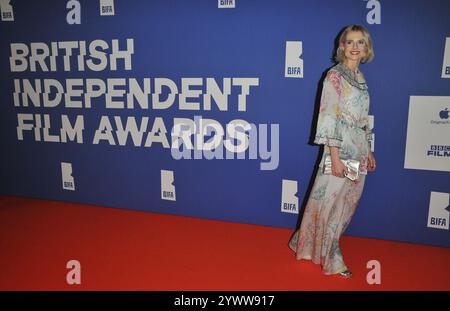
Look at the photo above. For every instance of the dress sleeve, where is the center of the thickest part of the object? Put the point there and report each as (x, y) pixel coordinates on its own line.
(328, 131)
(368, 130)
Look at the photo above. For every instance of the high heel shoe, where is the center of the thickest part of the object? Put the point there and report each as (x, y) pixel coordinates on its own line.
(346, 274)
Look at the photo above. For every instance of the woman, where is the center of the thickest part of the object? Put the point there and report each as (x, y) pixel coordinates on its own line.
(343, 129)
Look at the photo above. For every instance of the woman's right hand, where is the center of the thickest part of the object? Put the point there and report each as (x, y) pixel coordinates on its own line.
(337, 167)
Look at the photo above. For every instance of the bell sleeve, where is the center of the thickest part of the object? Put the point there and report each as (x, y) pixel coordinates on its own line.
(328, 131)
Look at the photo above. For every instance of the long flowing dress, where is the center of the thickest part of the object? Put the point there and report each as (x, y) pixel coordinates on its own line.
(343, 123)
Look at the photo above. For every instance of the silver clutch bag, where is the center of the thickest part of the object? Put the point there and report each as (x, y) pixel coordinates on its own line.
(352, 167)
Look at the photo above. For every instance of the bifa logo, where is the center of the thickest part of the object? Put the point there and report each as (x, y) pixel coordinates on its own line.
(7, 11)
(446, 62)
(294, 63)
(374, 15)
(74, 15)
(289, 199)
(167, 187)
(226, 4)
(106, 7)
(439, 210)
(68, 181)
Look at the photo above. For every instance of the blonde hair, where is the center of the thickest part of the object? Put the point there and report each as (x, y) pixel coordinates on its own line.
(340, 57)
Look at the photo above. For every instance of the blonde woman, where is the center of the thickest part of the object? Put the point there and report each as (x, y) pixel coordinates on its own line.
(343, 129)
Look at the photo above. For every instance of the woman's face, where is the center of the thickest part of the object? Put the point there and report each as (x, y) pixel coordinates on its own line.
(354, 46)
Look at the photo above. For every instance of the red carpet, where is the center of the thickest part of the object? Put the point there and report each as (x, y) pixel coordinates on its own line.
(127, 250)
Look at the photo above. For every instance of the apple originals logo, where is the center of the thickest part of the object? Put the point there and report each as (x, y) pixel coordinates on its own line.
(444, 116)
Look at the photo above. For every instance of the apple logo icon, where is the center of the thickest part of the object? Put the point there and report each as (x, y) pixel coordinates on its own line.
(443, 114)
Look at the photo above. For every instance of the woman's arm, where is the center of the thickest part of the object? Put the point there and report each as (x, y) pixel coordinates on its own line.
(337, 167)
(372, 163)
(328, 130)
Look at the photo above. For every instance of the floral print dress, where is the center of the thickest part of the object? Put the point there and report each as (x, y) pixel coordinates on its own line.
(342, 123)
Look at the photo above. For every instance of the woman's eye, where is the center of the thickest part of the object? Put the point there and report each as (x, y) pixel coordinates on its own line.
(361, 42)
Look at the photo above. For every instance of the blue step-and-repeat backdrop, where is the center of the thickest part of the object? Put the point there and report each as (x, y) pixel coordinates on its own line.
(206, 108)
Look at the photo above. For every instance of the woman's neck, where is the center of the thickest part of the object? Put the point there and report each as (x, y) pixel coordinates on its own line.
(353, 66)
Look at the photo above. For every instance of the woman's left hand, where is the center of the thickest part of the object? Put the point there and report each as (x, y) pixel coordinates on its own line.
(372, 163)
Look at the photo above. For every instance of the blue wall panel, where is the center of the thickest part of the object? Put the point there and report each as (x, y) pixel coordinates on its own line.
(196, 39)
